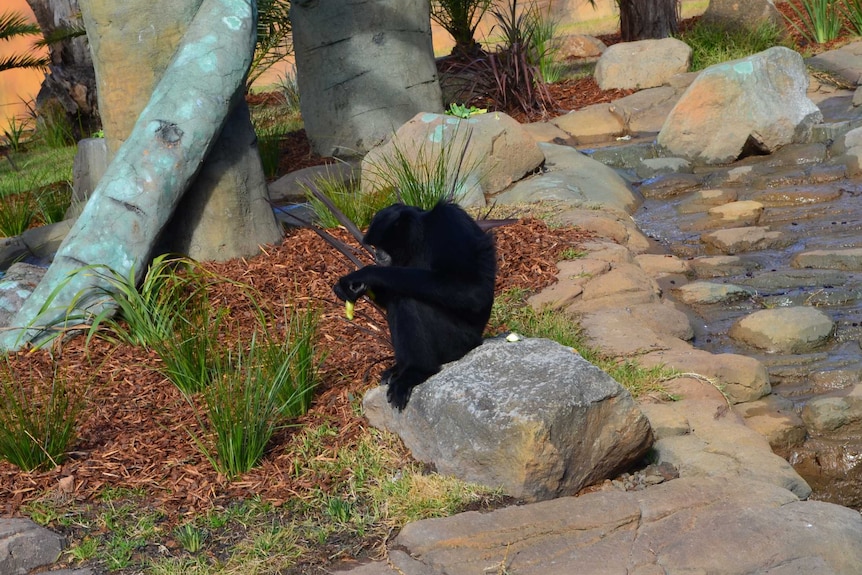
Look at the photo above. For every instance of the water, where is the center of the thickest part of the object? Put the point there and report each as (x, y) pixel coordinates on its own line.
(813, 207)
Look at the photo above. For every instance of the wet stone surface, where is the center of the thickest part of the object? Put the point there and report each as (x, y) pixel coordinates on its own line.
(808, 205)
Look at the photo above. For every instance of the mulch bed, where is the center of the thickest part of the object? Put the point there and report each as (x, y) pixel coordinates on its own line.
(135, 426)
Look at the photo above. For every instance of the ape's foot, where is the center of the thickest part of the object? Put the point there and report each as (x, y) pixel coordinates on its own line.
(398, 395)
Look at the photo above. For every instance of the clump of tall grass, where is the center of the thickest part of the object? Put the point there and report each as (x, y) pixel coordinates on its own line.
(249, 389)
(347, 197)
(712, 43)
(821, 20)
(38, 417)
(254, 390)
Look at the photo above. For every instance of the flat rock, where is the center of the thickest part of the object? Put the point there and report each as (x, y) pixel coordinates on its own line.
(837, 259)
(694, 525)
(721, 266)
(745, 239)
(796, 329)
(705, 292)
(25, 546)
(574, 178)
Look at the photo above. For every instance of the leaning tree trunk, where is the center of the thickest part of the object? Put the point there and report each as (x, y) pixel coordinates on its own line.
(175, 132)
(70, 84)
(225, 213)
(644, 19)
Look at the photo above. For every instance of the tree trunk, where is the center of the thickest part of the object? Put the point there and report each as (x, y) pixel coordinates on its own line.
(225, 213)
(144, 182)
(363, 70)
(645, 19)
(70, 83)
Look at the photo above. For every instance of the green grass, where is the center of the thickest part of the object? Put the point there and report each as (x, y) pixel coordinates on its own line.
(358, 495)
(347, 197)
(712, 44)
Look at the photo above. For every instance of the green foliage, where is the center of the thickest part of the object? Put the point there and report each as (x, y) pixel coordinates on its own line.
(14, 132)
(53, 128)
(290, 89)
(53, 201)
(516, 80)
(544, 44)
(822, 20)
(252, 391)
(146, 313)
(37, 418)
(433, 172)
(273, 37)
(346, 196)
(852, 11)
(712, 44)
(269, 147)
(16, 213)
(190, 537)
(463, 112)
(14, 25)
(460, 18)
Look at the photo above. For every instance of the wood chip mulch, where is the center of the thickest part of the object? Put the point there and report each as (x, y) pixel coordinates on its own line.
(135, 425)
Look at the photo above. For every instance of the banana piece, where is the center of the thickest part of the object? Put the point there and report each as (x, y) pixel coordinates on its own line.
(348, 309)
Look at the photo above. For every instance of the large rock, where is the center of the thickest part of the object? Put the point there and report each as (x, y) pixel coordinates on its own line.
(496, 152)
(797, 329)
(642, 64)
(750, 14)
(532, 417)
(363, 70)
(574, 178)
(755, 104)
(693, 526)
(24, 546)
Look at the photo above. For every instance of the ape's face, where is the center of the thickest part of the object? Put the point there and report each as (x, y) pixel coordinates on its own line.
(396, 234)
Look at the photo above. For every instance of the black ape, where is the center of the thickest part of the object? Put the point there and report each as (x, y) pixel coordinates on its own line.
(436, 282)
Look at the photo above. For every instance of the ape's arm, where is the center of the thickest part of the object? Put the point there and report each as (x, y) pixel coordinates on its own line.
(431, 287)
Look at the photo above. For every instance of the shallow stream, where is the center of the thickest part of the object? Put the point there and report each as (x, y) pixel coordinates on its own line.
(814, 207)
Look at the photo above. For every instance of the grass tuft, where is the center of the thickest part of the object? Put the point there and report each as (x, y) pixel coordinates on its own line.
(712, 44)
(37, 423)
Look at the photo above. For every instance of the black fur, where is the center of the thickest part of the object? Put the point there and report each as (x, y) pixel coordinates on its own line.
(437, 286)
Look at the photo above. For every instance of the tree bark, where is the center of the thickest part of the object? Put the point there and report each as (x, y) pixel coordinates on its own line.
(645, 19)
(152, 169)
(225, 213)
(363, 69)
(70, 83)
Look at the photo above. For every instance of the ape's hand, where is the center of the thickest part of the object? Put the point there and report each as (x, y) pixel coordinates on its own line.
(349, 288)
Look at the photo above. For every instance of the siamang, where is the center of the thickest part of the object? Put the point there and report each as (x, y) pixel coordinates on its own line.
(435, 278)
